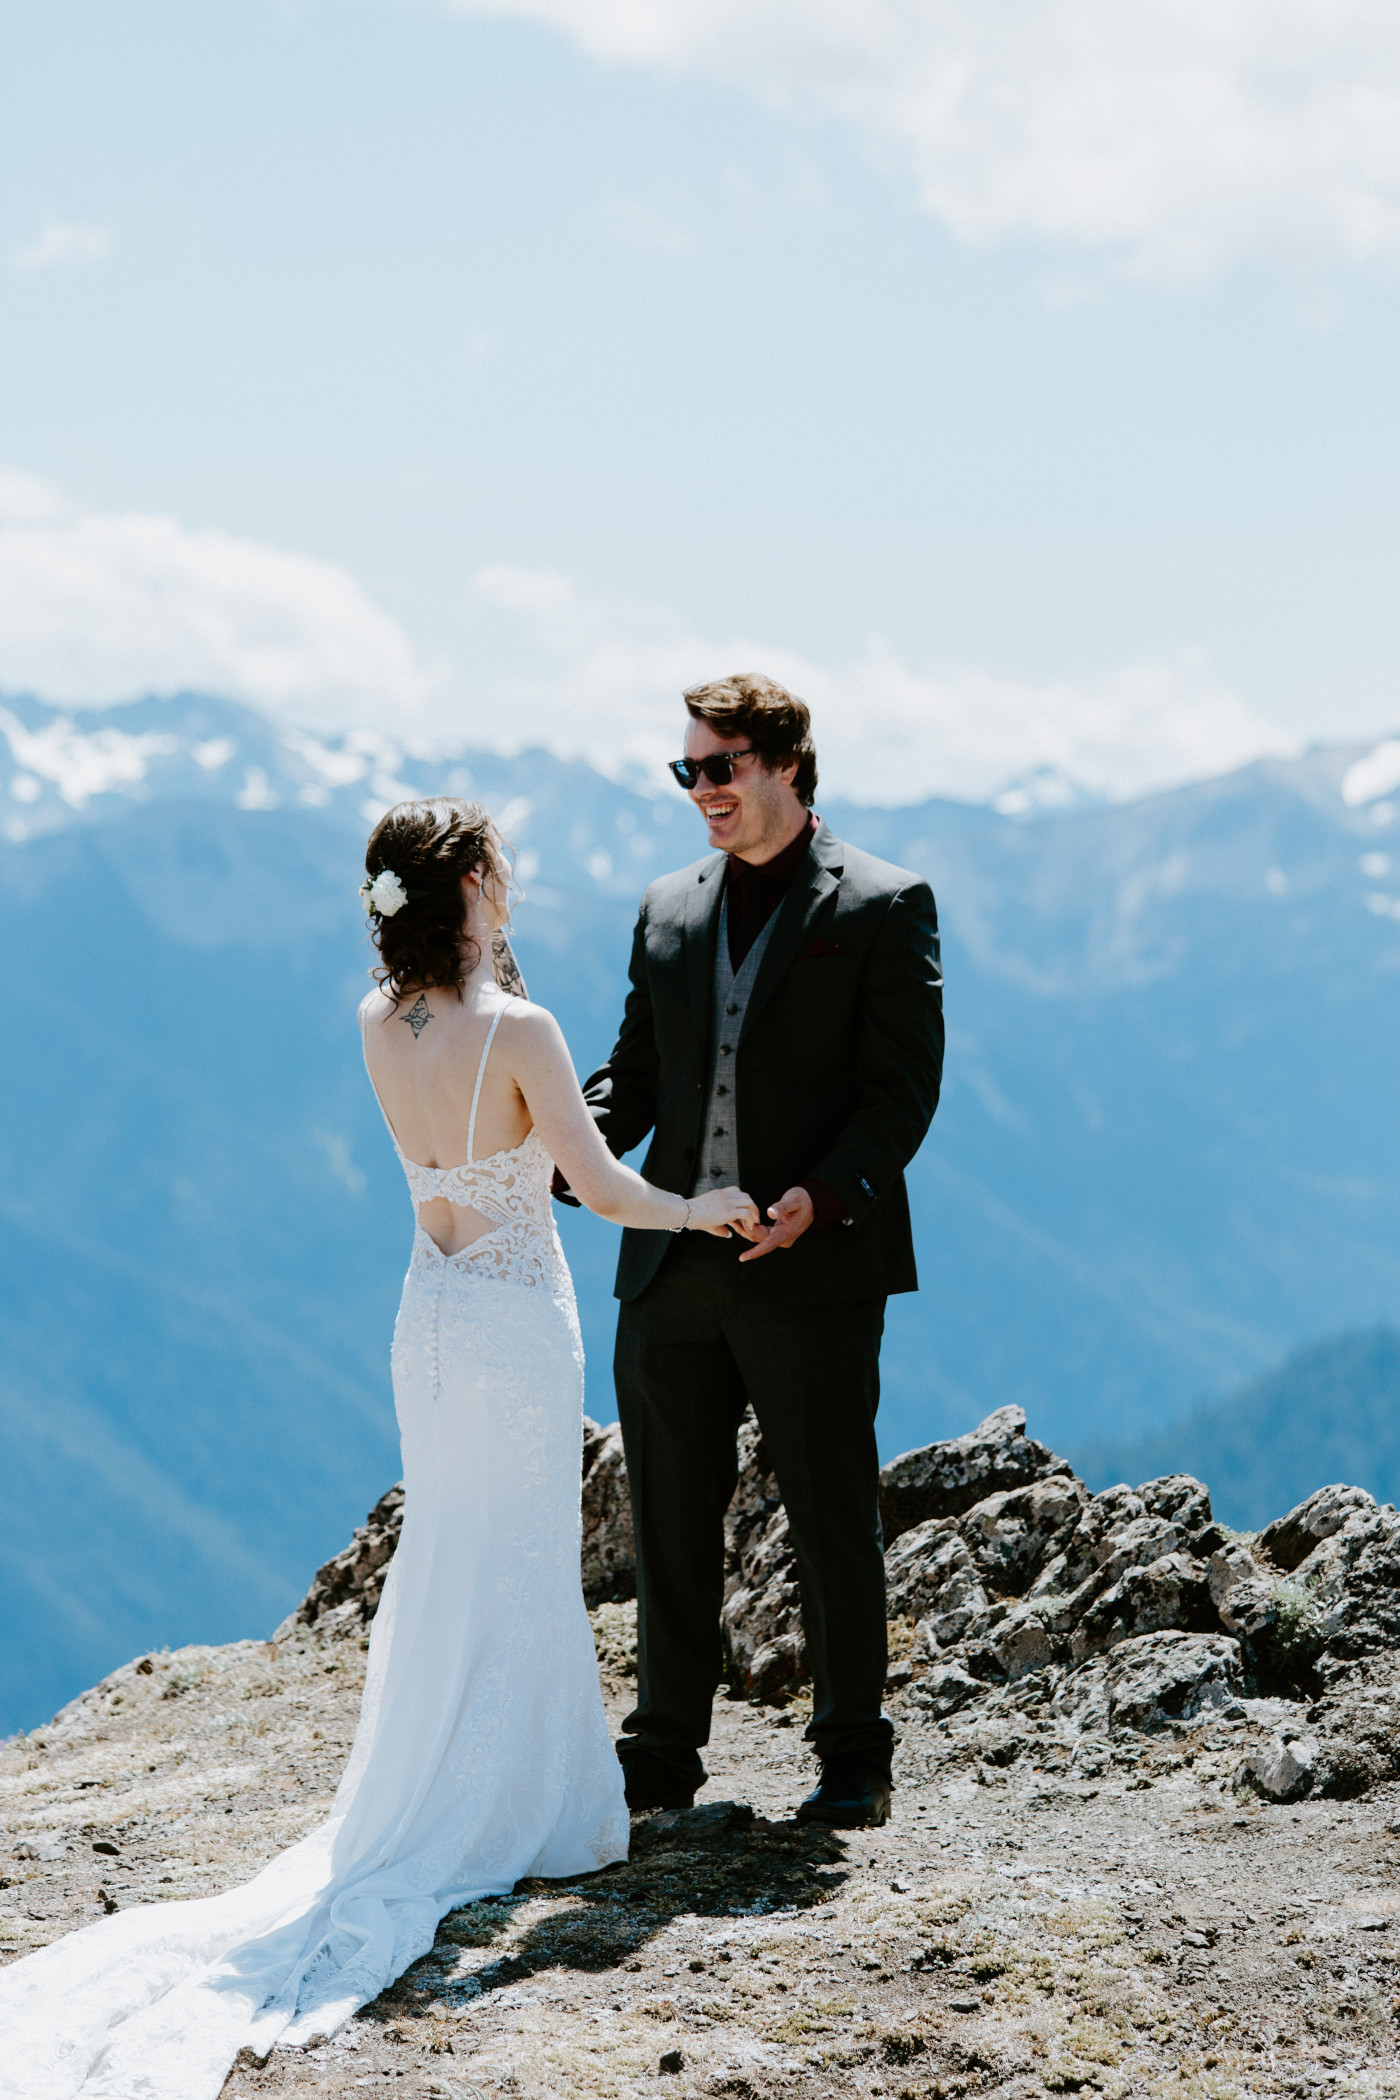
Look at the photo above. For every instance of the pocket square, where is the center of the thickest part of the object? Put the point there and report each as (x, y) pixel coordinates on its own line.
(815, 950)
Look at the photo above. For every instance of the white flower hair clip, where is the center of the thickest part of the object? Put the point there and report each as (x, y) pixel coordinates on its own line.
(385, 895)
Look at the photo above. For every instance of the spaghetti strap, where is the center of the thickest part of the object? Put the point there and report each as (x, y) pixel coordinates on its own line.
(480, 1075)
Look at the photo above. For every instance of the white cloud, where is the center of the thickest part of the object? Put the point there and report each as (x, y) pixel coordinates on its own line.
(97, 606)
(61, 242)
(1177, 135)
(607, 679)
(1377, 774)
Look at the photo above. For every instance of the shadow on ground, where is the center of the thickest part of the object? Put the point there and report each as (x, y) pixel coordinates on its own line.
(719, 1861)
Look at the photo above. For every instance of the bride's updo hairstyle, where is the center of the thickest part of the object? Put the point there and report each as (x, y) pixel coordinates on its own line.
(430, 846)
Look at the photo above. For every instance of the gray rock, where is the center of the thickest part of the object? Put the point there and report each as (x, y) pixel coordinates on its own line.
(1012, 1535)
(1235, 1579)
(1049, 1573)
(1126, 1611)
(46, 1846)
(1141, 1541)
(943, 1690)
(1021, 1643)
(1152, 1680)
(609, 1548)
(714, 1818)
(1289, 1540)
(932, 1578)
(1351, 1581)
(755, 1499)
(1358, 1721)
(1170, 1592)
(959, 1577)
(943, 1480)
(1286, 1768)
(762, 1616)
(1316, 1600)
(344, 1594)
(1186, 1502)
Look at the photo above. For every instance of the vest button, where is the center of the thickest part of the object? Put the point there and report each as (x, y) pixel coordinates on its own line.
(724, 1049)
(731, 1009)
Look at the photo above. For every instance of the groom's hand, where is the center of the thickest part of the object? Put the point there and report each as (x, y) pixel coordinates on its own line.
(791, 1215)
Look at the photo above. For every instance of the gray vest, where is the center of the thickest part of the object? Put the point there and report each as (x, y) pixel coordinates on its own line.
(718, 1167)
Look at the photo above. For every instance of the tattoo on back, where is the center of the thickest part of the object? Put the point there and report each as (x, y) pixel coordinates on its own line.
(418, 1016)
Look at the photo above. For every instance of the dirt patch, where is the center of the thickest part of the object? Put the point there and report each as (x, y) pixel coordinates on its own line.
(1047, 1912)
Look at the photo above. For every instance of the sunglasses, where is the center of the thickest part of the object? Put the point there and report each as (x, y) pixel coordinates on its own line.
(718, 769)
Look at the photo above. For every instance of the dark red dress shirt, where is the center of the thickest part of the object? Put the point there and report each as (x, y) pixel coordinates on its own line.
(755, 892)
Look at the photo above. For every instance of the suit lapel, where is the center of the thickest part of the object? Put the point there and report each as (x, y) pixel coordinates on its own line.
(701, 931)
(817, 878)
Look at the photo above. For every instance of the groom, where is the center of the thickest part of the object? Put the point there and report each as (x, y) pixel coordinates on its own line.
(783, 1031)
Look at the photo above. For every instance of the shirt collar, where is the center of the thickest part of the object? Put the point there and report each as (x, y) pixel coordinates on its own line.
(778, 872)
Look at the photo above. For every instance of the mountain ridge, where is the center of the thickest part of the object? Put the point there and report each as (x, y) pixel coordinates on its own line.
(1330, 1411)
(1165, 1157)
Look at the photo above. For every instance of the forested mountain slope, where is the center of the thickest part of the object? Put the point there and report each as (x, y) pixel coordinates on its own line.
(1330, 1413)
(1167, 1152)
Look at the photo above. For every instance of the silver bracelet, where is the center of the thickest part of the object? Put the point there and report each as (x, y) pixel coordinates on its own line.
(685, 1221)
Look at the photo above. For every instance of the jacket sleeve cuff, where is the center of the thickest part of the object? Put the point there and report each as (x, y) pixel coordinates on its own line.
(827, 1207)
(562, 1193)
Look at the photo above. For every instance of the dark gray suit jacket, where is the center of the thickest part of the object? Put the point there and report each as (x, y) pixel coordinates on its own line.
(837, 1072)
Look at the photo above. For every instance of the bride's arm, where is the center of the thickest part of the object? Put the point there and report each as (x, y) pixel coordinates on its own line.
(543, 1070)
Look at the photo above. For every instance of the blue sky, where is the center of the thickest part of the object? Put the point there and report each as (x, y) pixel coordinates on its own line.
(489, 373)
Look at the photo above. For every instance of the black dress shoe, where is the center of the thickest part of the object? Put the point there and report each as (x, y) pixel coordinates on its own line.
(649, 1782)
(853, 1795)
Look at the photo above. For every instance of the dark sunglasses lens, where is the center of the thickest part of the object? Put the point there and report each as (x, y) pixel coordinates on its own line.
(719, 770)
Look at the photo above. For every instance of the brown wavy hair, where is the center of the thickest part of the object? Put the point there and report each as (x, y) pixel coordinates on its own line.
(430, 846)
(774, 721)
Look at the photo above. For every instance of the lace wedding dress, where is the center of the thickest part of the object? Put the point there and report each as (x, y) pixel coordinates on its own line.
(482, 1753)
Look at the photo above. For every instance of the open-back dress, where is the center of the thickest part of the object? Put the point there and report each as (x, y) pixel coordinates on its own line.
(482, 1753)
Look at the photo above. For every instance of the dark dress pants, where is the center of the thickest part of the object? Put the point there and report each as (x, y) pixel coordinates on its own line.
(703, 1340)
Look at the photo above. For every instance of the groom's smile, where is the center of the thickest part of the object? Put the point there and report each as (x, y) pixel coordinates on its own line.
(754, 814)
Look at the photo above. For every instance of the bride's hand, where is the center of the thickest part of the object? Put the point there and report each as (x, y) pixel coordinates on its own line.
(721, 1210)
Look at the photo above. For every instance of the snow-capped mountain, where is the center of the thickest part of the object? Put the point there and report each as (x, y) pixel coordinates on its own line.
(1167, 1153)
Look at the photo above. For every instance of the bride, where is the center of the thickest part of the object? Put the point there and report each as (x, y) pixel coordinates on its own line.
(482, 1753)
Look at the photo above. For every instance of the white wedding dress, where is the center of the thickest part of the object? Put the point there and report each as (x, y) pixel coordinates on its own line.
(482, 1753)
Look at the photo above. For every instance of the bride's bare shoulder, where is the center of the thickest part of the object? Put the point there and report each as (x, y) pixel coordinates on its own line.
(375, 1004)
(526, 1023)
(530, 1034)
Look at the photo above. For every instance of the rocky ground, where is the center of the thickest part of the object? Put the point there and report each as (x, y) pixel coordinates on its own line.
(1157, 1858)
